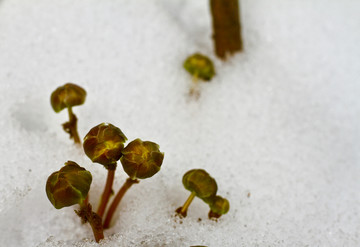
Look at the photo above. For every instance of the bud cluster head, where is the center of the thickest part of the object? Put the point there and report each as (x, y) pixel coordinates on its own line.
(141, 159)
(67, 96)
(200, 66)
(200, 182)
(103, 144)
(68, 186)
(218, 207)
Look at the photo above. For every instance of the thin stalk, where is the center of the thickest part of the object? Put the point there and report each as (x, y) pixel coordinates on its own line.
(194, 88)
(128, 183)
(184, 208)
(107, 192)
(71, 126)
(87, 215)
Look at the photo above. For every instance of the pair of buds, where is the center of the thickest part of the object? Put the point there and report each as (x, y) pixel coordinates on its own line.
(202, 185)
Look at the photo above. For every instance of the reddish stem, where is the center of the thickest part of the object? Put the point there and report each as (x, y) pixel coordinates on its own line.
(107, 192)
(71, 127)
(87, 215)
(128, 183)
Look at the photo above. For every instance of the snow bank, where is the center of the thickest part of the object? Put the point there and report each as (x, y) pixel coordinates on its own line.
(278, 127)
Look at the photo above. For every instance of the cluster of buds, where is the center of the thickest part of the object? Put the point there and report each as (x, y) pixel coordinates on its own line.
(104, 144)
(203, 186)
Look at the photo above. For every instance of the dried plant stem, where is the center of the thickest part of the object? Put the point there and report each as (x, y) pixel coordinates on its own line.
(71, 126)
(87, 215)
(128, 183)
(107, 192)
(226, 27)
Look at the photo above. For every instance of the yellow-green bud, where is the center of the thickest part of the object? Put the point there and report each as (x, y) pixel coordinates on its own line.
(67, 96)
(103, 144)
(218, 207)
(141, 159)
(68, 186)
(200, 182)
(200, 66)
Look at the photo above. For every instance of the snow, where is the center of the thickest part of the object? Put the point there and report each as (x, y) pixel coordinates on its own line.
(279, 122)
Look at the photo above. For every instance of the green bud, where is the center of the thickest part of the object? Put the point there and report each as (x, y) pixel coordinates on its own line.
(103, 144)
(200, 66)
(200, 182)
(218, 207)
(141, 159)
(68, 186)
(67, 96)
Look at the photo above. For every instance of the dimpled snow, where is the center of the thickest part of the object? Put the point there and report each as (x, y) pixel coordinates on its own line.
(277, 127)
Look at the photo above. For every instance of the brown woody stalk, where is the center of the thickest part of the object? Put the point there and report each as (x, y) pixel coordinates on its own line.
(226, 27)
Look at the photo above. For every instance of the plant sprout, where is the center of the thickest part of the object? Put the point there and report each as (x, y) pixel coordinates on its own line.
(103, 144)
(140, 160)
(218, 207)
(200, 67)
(68, 96)
(200, 184)
(69, 186)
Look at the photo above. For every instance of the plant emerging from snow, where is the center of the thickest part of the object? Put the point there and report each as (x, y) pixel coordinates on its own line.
(70, 186)
(68, 96)
(200, 67)
(202, 185)
(104, 144)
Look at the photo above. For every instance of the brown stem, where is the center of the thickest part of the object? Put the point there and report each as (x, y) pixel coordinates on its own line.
(87, 215)
(107, 192)
(226, 27)
(71, 127)
(128, 183)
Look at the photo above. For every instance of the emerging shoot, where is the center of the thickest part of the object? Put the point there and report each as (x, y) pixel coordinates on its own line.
(103, 144)
(200, 67)
(200, 184)
(68, 96)
(218, 206)
(140, 160)
(69, 186)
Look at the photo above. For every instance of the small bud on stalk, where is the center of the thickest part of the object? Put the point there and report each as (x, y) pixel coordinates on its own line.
(200, 66)
(140, 160)
(201, 184)
(218, 207)
(68, 96)
(68, 186)
(103, 144)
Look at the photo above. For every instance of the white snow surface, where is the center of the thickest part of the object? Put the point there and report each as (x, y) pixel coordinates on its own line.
(278, 127)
